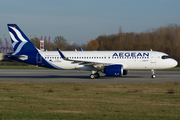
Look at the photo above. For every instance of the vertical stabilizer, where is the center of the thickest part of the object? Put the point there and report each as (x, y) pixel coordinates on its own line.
(20, 42)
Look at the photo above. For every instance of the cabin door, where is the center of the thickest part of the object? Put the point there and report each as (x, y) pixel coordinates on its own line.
(38, 58)
(153, 57)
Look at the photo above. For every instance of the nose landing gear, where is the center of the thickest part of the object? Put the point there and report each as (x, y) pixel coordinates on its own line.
(153, 74)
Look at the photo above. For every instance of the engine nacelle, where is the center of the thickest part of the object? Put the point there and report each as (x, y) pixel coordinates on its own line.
(113, 70)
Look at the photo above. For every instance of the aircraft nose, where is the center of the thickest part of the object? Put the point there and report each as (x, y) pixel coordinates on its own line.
(174, 63)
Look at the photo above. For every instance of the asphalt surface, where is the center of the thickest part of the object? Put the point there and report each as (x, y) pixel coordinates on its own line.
(73, 76)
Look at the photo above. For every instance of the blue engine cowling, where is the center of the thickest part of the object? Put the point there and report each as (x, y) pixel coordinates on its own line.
(115, 70)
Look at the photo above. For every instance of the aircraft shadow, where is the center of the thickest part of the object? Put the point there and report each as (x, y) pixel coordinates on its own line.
(49, 76)
(58, 76)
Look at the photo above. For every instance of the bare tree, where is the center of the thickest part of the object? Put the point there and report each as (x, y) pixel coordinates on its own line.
(60, 42)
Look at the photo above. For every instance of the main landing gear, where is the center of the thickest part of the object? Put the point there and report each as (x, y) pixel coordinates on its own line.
(94, 74)
(153, 74)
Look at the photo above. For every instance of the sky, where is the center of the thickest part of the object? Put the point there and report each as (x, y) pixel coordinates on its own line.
(82, 20)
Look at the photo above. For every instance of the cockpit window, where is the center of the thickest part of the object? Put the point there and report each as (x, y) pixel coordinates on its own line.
(165, 57)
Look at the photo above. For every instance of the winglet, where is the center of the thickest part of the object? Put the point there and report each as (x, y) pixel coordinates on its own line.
(80, 49)
(61, 54)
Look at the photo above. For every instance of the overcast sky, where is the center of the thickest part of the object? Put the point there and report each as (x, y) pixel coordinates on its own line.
(82, 20)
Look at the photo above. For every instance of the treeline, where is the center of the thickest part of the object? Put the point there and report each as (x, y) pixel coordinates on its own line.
(59, 42)
(165, 39)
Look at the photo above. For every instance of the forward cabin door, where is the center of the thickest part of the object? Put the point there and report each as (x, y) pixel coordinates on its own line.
(153, 57)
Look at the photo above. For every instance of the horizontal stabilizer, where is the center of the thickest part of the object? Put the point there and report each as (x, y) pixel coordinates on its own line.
(22, 57)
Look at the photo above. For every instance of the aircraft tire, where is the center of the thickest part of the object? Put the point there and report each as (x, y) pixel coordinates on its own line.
(153, 76)
(97, 75)
(92, 76)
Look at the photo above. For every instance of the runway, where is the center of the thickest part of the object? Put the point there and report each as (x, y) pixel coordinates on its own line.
(73, 76)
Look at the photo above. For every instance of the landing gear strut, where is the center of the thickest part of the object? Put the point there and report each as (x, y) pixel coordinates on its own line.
(153, 74)
(94, 74)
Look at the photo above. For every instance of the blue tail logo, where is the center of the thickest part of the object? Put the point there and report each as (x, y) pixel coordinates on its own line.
(20, 42)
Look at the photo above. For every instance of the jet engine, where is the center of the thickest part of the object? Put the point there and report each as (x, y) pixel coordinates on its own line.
(115, 70)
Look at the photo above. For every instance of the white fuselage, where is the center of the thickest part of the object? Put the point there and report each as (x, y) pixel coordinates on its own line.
(129, 59)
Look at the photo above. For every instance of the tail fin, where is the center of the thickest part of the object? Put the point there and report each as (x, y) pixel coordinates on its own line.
(21, 44)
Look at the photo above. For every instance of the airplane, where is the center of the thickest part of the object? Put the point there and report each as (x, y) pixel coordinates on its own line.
(111, 63)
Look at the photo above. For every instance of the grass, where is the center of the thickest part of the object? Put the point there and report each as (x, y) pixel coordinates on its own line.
(143, 101)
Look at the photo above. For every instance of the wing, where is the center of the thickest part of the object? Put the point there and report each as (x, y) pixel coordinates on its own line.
(87, 62)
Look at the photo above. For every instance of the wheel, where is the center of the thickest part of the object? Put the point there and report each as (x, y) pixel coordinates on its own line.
(153, 76)
(97, 75)
(92, 76)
